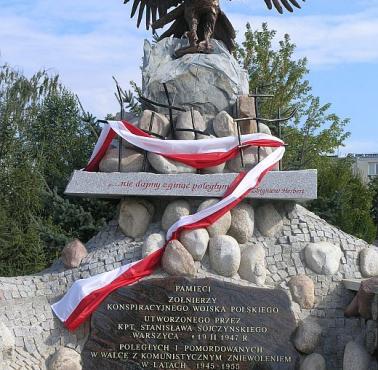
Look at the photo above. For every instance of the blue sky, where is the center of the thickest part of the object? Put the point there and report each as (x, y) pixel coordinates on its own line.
(88, 41)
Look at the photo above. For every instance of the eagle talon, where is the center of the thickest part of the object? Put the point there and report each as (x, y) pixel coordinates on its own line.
(192, 37)
(205, 46)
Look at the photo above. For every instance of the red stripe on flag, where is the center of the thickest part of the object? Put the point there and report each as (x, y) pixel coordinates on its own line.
(196, 160)
(88, 304)
(206, 160)
(234, 183)
(92, 166)
(135, 130)
(203, 160)
(209, 220)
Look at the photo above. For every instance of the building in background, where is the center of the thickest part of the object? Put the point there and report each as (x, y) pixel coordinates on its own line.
(366, 165)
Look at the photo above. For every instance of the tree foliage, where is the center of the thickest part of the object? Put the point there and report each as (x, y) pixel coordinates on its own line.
(344, 200)
(314, 133)
(373, 187)
(42, 140)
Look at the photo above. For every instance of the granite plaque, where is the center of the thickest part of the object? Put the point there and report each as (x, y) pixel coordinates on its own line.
(288, 185)
(182, 323)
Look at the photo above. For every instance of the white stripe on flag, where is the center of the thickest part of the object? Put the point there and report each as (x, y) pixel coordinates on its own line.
(212, 145)
(248, 182)
(100, 142)
(83, 287)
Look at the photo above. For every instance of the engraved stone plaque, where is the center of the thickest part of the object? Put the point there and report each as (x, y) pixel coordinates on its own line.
(182, 323)
(288, 185)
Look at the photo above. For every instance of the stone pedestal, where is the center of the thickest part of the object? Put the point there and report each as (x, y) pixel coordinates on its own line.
(284, 185)
(210, 83)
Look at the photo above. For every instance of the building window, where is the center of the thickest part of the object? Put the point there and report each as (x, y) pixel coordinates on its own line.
(373, 169)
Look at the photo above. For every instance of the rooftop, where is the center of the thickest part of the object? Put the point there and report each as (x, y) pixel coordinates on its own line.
(372, 155)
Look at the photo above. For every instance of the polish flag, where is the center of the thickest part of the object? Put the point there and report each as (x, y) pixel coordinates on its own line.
(195, 153)
(86, 295)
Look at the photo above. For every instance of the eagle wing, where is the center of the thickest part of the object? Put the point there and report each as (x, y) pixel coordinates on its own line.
(288, 4)
(152, 8)
(224, 31)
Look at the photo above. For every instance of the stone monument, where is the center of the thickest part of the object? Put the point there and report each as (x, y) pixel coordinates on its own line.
(259, 288)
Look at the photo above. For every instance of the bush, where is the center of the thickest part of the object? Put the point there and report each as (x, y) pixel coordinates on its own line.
(344, 200)
(42, 140)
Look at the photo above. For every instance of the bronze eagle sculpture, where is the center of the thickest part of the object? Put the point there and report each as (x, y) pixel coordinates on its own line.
(199, 20)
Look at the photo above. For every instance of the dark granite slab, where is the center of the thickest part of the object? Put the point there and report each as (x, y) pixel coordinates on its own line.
(181, 323)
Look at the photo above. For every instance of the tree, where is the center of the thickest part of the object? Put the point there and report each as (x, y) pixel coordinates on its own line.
(20, 182)
(373, 187)
(42, 140)
(58, 139)
(314, 131)
(344, 200)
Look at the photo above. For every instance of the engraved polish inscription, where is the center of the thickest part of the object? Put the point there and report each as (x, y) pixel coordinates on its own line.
(182, 323)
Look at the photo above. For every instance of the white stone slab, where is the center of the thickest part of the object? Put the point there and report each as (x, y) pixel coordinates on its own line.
(289, 185)
(353, 284)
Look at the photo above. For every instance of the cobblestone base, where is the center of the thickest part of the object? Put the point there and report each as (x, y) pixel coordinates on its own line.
(25, 301)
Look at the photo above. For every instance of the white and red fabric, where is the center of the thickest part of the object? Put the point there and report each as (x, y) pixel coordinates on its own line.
(86, 295)
(196, 153)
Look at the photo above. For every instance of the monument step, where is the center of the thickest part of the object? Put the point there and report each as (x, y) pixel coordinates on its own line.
(284, 185)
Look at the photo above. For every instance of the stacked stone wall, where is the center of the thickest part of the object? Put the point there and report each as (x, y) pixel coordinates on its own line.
(25, 301)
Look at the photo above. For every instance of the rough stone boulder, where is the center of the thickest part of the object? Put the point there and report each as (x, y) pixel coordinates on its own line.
(323, 257)
(173, 212)
(249, 159)
(208, 82)
(224, 255)
(369, 261)
(362, 303)
(152, 243)
(242, 222)
(268, 220)
(307, 336)
(302, 290)
(222, 225)
(134, 216)
(166, 165)
(214, 169)
(246, 107)
(160, 123)
(196, 242)
(131, 161)
(184, 121)
(73, 253)
(263, 128)
(7, 342)
(65, 359)
(177, 260)
(315, 361)
(252, 264)
(356, 357)
(223, 125)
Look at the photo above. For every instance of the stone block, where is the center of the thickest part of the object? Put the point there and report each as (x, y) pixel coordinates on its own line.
(246, 108)
(285, 185)
(210, 83)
